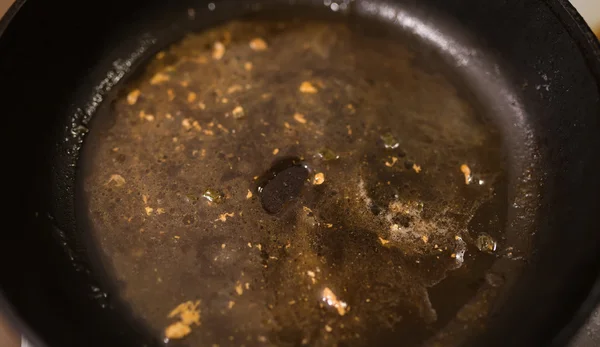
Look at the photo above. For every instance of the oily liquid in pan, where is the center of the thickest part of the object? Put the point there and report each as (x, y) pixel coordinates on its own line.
(297, 183)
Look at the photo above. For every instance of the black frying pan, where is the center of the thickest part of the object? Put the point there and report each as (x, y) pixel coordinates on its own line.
(537, 68)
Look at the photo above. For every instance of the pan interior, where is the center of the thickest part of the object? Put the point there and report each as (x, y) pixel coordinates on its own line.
(307, 182)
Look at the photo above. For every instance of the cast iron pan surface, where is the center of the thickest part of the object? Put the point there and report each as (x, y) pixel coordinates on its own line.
(534, 64)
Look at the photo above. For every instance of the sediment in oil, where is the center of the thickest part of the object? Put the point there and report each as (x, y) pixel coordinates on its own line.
(386, 226)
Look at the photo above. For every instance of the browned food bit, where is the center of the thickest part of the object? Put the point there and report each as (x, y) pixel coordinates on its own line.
(319, 178)
(188, 314)
(307, 88)
(218, 50)
(417, 168)
(223, 217)
(132, 97)
(258, 44)
(159, 78)
(177, 330)
(248, 66)
(191, 97)
(390, 164)
(275, 151)
(118, 180)
(170, 94)
(331, 299)
(466, 170)
(238, 112)
(298, 117)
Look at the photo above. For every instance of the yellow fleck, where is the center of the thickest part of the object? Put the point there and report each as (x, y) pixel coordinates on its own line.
(230, 304)
(329, 225)
(349, 130)
(307, 88)
(417, 168)
(191, 97)
(160, 210)
(234, 88)
(262, 339)
(202, 105)
(238, 112)
(223, 246)
(383, 241)
(319, 178)
(168, 116)
(390, 164)
(248, 66)
(170, 94)
(310, 274)
(223, 217)
(258, 44)
(238, 289)
(224, 100)
(149, 210)
(453, 255)
(177, 330)
(298, 117)
(292, 302)
(247, 285)
(196, 125)
(331, 299)
(275, 151)
(425, 238)
(177, 237)
(160, 55)
(145, 198)
(249, 195)
(218, 51)
(466, 170)
(249, 244)
(184, 84)
(287, 125)
(259, 246)
(186, 123)
(117, 179)
(209, 132)
(145, 116)
(328, 328)
(159, 78)
(132, 97)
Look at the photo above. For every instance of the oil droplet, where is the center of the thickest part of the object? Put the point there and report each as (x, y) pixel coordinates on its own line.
(389, 141)
(486, 243)
(282, 183)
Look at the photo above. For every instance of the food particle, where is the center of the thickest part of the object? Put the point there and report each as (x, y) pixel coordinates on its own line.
(292, 302)
(349, 130)
(117, 179)
(286, 125)
(262, 339)
(230, 304)
(310, 274)
(160, 55)
(383, 241)
(177, 330)
(238, 112)
(275, 151)
(425, 238)
(170, 94)
(223, 246)
(209, 132)
(187, 125)
(196, 125)
(223, 217)
(148, 210)
(328, 328)
(249, 245)
(132, 97)
(224, 100)
(453, 255)
(390, 164)
(329, 225)
(160, 210)
(159, 78)
(298, 117)
(238, 289)
(466, 170)
(145, 116)
(249, 195)
(319, 178)
(258, 44)
(184, 84)
(175, 237)
(168, 116)
(417, 168)
(331, 299)
(307, 88)
(234, 88)
(218, 51)
(191, 97)
(248, 66)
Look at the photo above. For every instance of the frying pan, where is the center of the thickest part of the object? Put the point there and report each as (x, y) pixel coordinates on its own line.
(534, 63)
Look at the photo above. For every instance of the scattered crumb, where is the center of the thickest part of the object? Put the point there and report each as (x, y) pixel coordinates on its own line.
(319, 178)
(201, 105)
(383, 241)
(188, 313)
(191, 97)
(390, 164)
(160, 210)
(250, 244)
(175, 237)
(258, 44)
(238, 112)
(331, 299)
(275, 151)
(148, 117)
(145, 199)
(248, 66)
(349, 130)
(177, 330)
(223, 246)
(218, 51)
(230, 304)
(160, 55)
(234, 88)
(224, 100)
(425, 238)
(247, 285)
(238, 289)
(159, 78)
(132, 97)
(196, 125)
(209, 132)
(310, 274)
(149, 210)
(286, 125)
(186, 123)
(453, 255)
(328, 328)
(170, 94)
(298, 117)
(117, 179)
(417, 168)
(307, 88)
(249, 195)
(262, 339)
(329, 225)
(223, 217)
(168, 116)
(466, 170)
